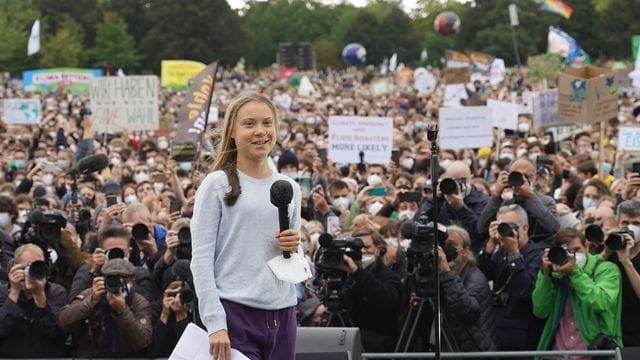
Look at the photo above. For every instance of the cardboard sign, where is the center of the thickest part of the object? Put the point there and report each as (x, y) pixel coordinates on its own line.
(458, 75)
(129, 102)
(381, 87)
(504, 115)
(629, 138)
(465, 127)
(22, 111)
(587, 95)
(349, 135)
(545, 109)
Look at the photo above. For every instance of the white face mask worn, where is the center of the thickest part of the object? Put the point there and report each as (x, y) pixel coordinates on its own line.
(407, 163)
(374, 180)
(581, 259)
(341, 203)
(367, 260)
(374, 208)
(5, 219)
(406, 214)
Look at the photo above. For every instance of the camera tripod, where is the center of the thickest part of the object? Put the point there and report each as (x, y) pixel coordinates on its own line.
(414, 316)
(336, 318)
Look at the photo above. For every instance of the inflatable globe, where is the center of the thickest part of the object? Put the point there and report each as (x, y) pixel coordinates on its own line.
(447, 23)
(354, 54)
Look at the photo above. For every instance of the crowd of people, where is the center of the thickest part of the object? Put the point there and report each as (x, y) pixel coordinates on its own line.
(537, 246)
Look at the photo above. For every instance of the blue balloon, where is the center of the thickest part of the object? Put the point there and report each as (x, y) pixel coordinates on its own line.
(354, 54)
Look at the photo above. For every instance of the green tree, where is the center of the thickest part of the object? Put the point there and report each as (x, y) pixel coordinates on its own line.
(203, 30)
(113, 43)
(399, 36)
(16, 19)
(64, 48)
(364, 30)
(84, 12)
(617, 23)
(327, 54)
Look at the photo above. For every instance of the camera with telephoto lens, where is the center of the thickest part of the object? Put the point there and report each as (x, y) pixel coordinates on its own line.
(615, 241)
(594, 233)
(506, 229)
(115, 283)
(43, 229)
(184, 245)
(140, 232)
(36, 269)
(515, 179)
(186, 295)
(115, 253)
(452, 185)
(559, 255)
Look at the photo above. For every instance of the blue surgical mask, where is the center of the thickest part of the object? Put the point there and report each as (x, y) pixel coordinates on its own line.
(63, 164)
(20, 164)
(606, 167)
(39, 160)
(587, 203)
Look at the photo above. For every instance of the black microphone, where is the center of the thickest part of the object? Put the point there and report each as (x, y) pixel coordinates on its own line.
(281, 195)
(91, 164)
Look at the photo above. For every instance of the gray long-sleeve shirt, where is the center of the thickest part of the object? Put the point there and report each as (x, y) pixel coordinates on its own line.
(231, 246)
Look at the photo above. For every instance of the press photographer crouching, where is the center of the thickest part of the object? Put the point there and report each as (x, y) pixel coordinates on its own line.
(29, 306)
(109, 319)
(173, 312)
(466, 297)
(579, 295)
(512, 262)
(371, 291)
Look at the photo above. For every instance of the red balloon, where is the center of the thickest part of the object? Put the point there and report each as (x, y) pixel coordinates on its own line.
(447, 23)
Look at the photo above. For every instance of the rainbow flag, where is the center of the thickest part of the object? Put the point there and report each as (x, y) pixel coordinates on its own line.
(557, 7)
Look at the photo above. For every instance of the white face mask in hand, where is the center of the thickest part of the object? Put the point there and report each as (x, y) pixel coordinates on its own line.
(374, 208)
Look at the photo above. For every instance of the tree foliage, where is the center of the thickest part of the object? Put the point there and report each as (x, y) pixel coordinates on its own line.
(138, 34)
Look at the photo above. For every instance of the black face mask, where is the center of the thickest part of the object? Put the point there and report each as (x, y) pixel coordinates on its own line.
(450, 252)
(127, 179)
(423, 166)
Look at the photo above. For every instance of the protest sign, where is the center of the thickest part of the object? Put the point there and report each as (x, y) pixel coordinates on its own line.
(497, 72)
(457, 75)
(424, 81)
(454, 94)
(381, 87)
(22, 111)
(349, 135)
(456, 59)
(629, 138)
(76, 81)
(465, 127)
(504, 115)
(526, 106)
(545, 109)
(481, 61)
(587, 95)
(129, 102)
(176, 74)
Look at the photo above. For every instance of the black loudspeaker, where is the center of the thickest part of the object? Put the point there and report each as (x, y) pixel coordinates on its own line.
(324, 343)
(285, 54)
(628, 353)
(305, 56)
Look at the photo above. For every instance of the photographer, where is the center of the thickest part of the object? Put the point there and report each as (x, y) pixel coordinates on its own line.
(110, 319)
(178, 243)
(150, 243)
(113, 242)
(173, 311)
(466, 297)
(541, 209)
(28, 308)
(462, 204)
(628, 262)
(373, 301)
(573, 284)
(512, 262)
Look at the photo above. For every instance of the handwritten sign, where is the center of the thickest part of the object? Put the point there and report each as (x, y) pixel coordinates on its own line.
(504, 115)
(129, 102)
(629, 138)
(22, 111)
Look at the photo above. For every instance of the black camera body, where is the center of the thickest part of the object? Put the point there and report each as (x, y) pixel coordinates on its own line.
(186, 295)
(36, 270)
(42, 229)
(115, 283)
(615, 241)
(506, 229)
(420, 252)
(594, 233)
(452, 185)
(331, 255)
(140, 232)
(515, 179)
(559, 255)
(115, 253)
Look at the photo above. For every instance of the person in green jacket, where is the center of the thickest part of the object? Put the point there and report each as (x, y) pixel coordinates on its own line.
(580, 298)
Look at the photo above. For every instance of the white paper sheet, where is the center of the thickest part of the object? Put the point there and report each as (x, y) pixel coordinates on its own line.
(194, 345)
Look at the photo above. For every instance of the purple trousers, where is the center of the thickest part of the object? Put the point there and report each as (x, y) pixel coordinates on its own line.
(262, 334)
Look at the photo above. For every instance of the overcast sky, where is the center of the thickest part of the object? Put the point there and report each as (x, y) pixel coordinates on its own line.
(408, 5)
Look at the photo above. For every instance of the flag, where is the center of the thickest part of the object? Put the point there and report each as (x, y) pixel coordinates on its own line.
(285, 72)
(34, 39)
(561, 43)
(393, 62)
(424, 56)
(556, 7)
(193, 114)
(635, 74)
(120, 73)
